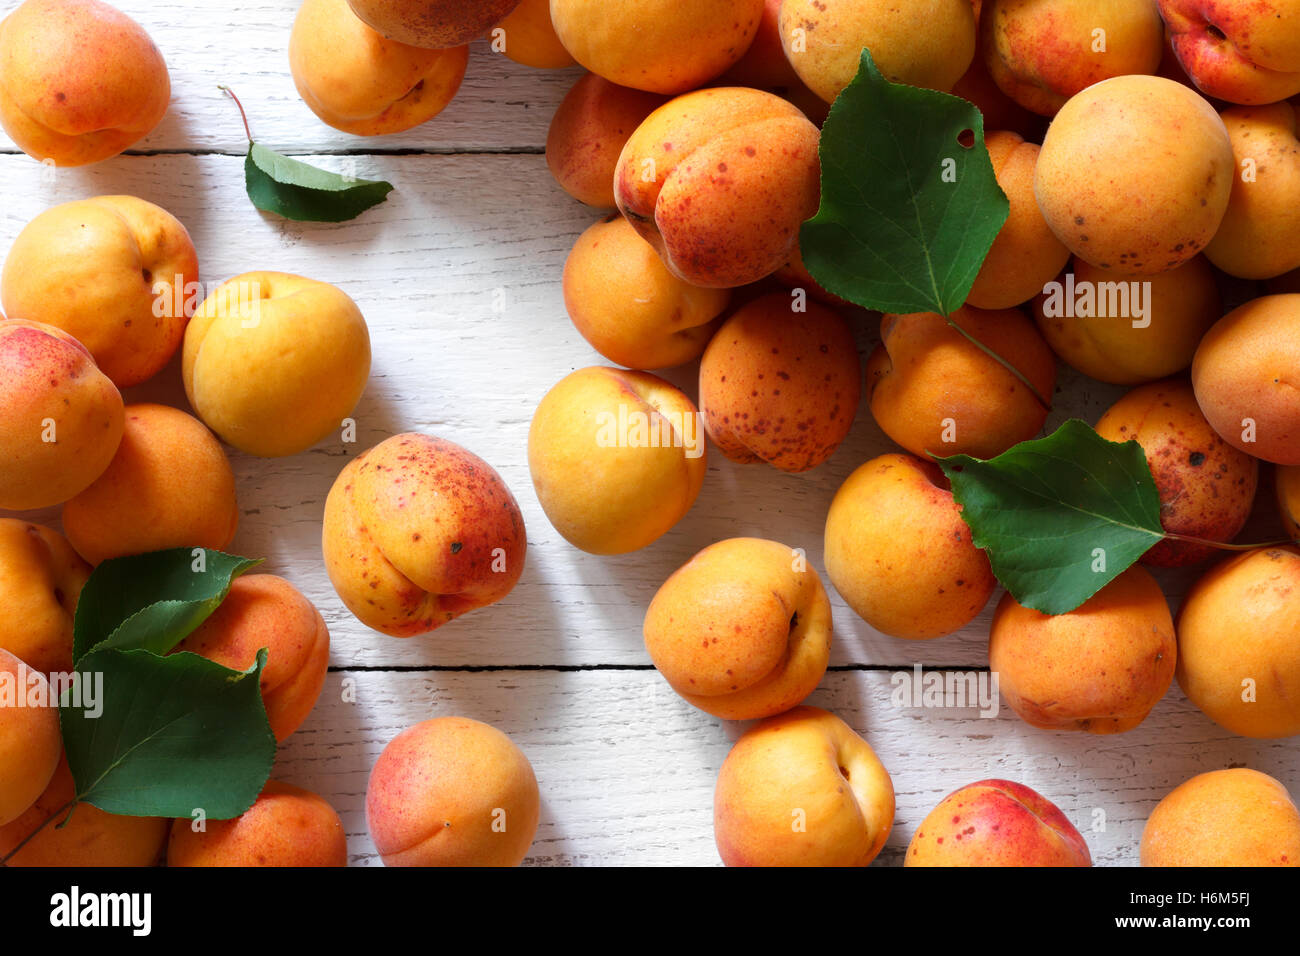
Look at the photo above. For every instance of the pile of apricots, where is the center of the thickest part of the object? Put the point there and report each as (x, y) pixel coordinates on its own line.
(1149, 154)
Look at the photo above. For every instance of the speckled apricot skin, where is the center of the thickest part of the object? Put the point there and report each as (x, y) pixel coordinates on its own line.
(452, 792)
(360, 82)
(629, 307)
(996, 823)
(1183, 303)
(1206, 486)
(1099, 668)
(30, 743)
(1234, 817)
(1243, 373)
(1025, 255)
(1041, 52)
(80, 81)
(809, 767)
(1259, 237)
(719, 182)
(780, 386)
(609, 492)
(1094, 184)
(89, 838)
(434, 24)
(661, 46)
(926, 382)
(417, 532)
(899, 553)
(114, 272)
(742, 630)
(263, 610)
(48, 377)
(926, 43)
(170, 485)
(587, 133)
(1000, 111)
(41, 577)
(1238, 658)
(285, 826)
(1287, 485)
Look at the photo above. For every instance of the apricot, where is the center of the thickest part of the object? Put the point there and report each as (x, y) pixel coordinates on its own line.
(1206, 486)
(1287, 479)
(273, 363)
(935, 392)
(629, 307)
(90, 837)
(617, 458)
(452, 792)
(1025, 255)
(1239, 52)
(435, 24)
(169, 486)
(1099, 668)
(419, 531)
(802, 789)
(899, 553)
(1238, 659)
(1242, 376)
(262, 610)
(114, 272)
(528, 37)
(996, 823)
(60, 416)
(765, 65)
(285, 826)
(80, 81)
(742, 630)
(926, 43)
(719, 182)
(1234, 817)
(30, 742)
(661, 46)
(1259, 237)
(780, 386)
(1094, 178)
(40, 580)
(358, 81)
(1042, 52)
(1128, 329)
(587, 133)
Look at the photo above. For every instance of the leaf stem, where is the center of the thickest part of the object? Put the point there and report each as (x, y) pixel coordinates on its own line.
(1001, 361)
(1225, 545)
(231, 93)
(69, 806)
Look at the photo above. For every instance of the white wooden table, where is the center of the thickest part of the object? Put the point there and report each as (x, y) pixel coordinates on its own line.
(626, 768)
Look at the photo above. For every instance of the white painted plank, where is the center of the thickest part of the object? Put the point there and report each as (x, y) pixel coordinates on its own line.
(627, 769)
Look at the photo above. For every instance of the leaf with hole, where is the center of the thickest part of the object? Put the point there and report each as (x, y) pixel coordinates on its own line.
(908, 212)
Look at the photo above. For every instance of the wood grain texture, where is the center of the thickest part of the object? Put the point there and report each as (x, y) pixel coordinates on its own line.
(627, 769)
(458, 275)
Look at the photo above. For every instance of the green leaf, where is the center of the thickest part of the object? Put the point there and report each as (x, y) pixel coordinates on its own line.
(1043, 508)
(893, 232)
(174, 734)
(153, 600)
(296, 190)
